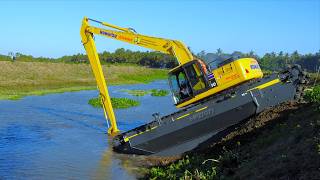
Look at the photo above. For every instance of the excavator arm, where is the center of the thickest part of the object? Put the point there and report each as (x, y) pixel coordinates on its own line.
(128, 35)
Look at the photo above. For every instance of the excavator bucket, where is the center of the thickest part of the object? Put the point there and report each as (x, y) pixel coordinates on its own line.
(186, 129)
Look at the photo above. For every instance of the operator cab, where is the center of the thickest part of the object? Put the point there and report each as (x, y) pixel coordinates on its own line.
(190, 79)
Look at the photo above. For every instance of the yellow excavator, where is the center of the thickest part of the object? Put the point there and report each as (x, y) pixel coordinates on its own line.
(211, 100)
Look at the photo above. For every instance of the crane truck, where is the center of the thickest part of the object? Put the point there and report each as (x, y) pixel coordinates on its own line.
(210, 99)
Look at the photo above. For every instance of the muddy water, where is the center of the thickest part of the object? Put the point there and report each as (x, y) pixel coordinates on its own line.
(60, 136)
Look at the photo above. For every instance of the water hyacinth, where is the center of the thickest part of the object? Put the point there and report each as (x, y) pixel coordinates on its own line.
(117, 103)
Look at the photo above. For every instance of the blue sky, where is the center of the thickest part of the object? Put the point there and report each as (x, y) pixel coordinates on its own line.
(51, 28)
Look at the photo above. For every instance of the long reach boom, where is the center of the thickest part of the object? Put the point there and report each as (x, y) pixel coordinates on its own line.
(167, 46)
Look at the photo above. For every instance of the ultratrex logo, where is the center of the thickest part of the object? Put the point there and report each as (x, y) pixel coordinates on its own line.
(254, 66)
(108, 34)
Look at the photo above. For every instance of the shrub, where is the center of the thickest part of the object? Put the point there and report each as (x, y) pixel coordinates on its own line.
(314, 95)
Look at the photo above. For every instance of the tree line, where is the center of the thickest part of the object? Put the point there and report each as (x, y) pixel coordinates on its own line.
(270, 61)
(149, 58)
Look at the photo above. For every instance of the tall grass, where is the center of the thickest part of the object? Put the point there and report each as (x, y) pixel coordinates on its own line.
(35, 78)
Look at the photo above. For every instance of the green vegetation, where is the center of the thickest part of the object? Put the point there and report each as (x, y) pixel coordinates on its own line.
(18, 79)
(16, 95)
(117, 103)
(161, 92)
(120, 56)
(146, 76)
(136, 92)
(314, 95)
(314, 78)
(197, 167)
(28, 75)
(95, 102)
(270, 61)
(153, 92)
(121, 103)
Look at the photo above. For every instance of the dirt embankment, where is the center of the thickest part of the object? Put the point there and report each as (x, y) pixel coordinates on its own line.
(279, 143)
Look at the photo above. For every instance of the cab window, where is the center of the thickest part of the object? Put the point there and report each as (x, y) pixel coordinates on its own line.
(196, 77)
(179, 86)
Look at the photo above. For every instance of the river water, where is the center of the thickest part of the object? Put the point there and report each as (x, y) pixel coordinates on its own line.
(60, 136)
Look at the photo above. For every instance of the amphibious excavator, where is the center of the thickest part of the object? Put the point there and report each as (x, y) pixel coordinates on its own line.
(211, 99)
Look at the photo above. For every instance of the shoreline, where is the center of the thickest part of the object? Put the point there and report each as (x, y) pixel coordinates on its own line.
(20, 79)
(19, 96)
(43, 92)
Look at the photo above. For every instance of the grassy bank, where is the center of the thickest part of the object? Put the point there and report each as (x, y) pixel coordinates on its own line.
(18, 79)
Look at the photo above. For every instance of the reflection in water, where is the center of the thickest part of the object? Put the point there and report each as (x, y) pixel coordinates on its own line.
(112, 163)
(103, 170)
(60, 136)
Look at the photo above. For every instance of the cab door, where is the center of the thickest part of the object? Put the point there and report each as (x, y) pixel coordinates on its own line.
(187, 81)
(196, 77)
